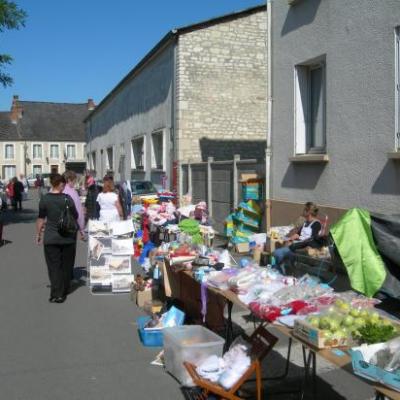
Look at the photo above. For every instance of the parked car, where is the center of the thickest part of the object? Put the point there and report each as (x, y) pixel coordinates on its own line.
(32, 180)
(143, 189)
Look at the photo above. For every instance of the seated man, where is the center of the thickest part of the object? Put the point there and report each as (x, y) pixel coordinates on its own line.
(300, 238)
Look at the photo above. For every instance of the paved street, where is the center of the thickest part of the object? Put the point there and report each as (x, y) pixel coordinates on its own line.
(87, 348)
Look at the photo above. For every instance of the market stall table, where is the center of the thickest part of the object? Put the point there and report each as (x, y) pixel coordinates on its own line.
(184, 280)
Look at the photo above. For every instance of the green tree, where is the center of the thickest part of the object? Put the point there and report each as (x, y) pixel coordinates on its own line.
(11, 17)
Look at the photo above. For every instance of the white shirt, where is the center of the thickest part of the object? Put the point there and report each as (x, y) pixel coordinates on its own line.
(108, 209)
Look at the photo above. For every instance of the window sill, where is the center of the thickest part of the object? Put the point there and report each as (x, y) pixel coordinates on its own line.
(310, 158)
(395, 155)
(157, 170)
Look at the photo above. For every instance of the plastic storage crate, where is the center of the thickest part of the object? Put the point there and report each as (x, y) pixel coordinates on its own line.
(149, 338)
(252, 190)
(192, 343)
(372, 372)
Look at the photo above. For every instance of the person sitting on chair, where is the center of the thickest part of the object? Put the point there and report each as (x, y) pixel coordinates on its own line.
(300, 238)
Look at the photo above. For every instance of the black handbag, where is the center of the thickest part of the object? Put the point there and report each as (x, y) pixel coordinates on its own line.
(67, 225)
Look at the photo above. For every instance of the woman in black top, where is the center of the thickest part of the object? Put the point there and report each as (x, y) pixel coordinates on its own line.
(59, 251)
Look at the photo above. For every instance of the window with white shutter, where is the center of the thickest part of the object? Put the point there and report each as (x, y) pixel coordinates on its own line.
(37, 151)
(9, 151)
(71, 152)
(309, 109)
(54, 153)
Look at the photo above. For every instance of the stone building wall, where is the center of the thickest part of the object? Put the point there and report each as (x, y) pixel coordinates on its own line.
(221, 89)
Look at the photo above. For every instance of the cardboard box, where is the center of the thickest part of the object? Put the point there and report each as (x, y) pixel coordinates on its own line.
(143, 296)
(362, 366)
(246, 177)
(242, 248)
(316, 337)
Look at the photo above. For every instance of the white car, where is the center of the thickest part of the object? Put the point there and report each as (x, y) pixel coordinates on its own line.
(31, 180)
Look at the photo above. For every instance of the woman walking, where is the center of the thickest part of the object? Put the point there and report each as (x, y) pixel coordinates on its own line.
(59, 250)
(108, 200)
(69, 189)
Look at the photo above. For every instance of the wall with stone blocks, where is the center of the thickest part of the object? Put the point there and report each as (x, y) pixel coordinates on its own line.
(221, 88)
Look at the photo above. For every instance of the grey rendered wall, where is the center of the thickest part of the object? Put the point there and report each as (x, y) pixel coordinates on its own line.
(221, 89)
(141, 107)
(357, 38)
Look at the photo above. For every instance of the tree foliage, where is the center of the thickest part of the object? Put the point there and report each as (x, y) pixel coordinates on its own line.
(11, 17)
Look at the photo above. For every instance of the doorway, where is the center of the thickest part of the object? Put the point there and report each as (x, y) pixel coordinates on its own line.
(54, 169)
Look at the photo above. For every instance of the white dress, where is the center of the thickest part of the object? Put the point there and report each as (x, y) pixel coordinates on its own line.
(108, 210)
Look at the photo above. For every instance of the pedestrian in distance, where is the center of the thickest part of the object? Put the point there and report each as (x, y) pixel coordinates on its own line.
(108, 200)
(24, 182)
(39, 185)
(92, 208)
(59, 249)
(18, 193)
(69, 189)
(10, 192)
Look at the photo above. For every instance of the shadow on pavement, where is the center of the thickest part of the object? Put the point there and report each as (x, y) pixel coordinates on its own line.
(4, 242)
(75, 285)
(24, 216)
(80, 272)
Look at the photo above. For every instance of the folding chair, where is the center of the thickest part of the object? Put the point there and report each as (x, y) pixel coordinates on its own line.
(261, 342)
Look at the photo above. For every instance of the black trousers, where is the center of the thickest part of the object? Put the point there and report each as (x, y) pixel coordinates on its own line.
(17, 203)
(60, 259)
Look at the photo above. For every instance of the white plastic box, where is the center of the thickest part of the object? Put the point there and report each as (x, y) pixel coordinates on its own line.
(192, 343)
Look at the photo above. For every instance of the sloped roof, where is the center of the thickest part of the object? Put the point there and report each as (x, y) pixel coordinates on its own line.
(171, 35)
(8, 130)
(52, 121)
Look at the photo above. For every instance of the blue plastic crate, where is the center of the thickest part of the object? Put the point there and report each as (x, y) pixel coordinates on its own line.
(251, 191)
(149, 338)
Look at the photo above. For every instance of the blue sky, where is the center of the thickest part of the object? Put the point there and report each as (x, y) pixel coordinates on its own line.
(76, 49)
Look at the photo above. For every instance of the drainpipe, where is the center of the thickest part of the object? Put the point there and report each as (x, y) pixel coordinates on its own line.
(268, 151)
(174, 168)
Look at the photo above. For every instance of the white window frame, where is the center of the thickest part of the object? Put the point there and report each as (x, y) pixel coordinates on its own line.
(41, 150)
(4, 170)
(133, 161)
(397, 87)
(302, 108)
(108, 166)
(33, 169)
(93, 160)
(72, 145)
(58, 151)
(164, 154)
(5, 151)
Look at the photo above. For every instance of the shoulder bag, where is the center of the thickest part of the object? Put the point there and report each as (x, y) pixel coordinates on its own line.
(67, 225)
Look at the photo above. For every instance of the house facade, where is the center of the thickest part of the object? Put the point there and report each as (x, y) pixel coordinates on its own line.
(197, 94)
(40, 137)
(335, 106)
